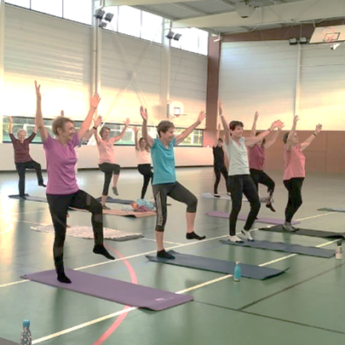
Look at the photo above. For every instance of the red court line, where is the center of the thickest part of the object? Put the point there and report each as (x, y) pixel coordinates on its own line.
(120, 319)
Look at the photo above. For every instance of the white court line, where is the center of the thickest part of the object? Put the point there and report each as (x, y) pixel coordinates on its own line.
(109, 316)
(152, 239)
(9, 229)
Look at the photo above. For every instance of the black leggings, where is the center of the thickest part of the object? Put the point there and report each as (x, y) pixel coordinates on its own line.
(294, 187)
(21, 172)
(242, 184)
(218, 171)
(145, 170)
(261, 177)
(177, 192)
(58, 206)
(109, 169)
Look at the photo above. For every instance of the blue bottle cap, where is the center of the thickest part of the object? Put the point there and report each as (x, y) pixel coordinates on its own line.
(26, 323)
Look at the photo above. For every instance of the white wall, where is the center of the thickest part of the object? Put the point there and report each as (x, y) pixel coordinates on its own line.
(124, 155)
(262, 76)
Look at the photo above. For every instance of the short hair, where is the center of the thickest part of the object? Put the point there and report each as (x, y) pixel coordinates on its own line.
(164, 126)
(220, 139)
(103, 129)
(234, 124)
(21, 130)
(285, 137)
(60, 122)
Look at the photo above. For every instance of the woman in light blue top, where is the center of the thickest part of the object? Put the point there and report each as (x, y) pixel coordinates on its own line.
(164, 179)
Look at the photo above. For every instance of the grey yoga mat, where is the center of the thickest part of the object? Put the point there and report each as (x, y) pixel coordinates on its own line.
(306, 232)
(117, 201)
(220, 214)
(219, 266)
(330, 209)
(29, 197)
(7, 342)
(285, 247)
(112, 289)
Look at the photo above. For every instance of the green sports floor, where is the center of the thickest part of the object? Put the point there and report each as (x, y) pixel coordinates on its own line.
(306, 305)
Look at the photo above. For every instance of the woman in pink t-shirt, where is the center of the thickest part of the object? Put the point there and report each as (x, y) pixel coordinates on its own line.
(106, 161)
(62, 189)
(257, 155)
(294, 170)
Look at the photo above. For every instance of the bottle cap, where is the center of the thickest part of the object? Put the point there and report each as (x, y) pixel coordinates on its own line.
(26, 323)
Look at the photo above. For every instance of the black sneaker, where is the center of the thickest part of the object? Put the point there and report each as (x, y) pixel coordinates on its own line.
(165, 255)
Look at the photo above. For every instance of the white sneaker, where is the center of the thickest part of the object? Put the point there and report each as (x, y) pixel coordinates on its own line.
(235, 239)
(247, 235)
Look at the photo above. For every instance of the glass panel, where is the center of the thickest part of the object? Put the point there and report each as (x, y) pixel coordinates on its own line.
(151, 28)
(21, 3)
(53, 7)
(129, 21)
(78, 10)
(203, 42)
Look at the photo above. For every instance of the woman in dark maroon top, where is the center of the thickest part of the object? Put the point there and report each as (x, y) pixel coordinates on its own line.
(22, 157)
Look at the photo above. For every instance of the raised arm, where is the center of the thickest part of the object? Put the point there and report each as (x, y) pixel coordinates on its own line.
(224, 123)
(253, 131)
(253, 140)
(88, 120)
(190, 129)
(93, 130)
(122, 133)
(289, 142)
(136, 142)
(10, 126)
(144, 115)
(269, 142)
(217, 136)
(309, 140)
(39, 117)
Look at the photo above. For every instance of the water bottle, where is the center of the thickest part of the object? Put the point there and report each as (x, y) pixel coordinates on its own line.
(339, 250)
(237, 272)
(25, 338)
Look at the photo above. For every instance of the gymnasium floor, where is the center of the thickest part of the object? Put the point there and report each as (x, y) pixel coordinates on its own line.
(305, 305)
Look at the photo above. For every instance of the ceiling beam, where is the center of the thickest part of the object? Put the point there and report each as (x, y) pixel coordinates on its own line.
(141, 2)
(189, 8)
(293, 12)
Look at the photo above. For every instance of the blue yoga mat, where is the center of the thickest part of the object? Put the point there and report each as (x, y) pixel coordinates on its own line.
(219, 266)
(285, 247)
(112, 289)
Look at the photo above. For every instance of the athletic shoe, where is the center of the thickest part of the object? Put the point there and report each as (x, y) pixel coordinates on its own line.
(288, 227)
(269, 205)
(293, 227)
(115, 191)
(235, 239)
(216, 195)
(105, 207)
(247, 235)
(165, 255)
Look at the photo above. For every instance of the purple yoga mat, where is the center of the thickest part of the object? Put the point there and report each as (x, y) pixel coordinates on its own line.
(113, 290)
(220, 214)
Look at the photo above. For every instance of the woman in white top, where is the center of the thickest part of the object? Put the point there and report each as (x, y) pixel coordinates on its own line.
(240, 180)
(144, 161)
(106, 160)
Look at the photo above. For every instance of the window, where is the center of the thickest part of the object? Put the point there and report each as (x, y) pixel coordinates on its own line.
(21, 3)
(129, 21)
(193, 40)
(77, 10)
(151, 27)
(53, 7)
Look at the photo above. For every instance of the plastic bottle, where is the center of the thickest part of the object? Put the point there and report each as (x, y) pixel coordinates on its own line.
(237, 272)
(339, 250)
(25, 338)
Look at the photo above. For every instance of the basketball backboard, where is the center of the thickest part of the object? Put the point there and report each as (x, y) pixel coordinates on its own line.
(328, 34)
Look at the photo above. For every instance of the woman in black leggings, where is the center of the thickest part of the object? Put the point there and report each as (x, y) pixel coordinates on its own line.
(106, 160)
(256, 155)
(239, 177)
(144, 161)
(62, 188)
(294, 170)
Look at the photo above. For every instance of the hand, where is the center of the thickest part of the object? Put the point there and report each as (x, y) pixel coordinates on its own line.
(127, 122)
(220, 108)
(275, 124)
(62, 113)
(94, 101)
(98, 121)
(295, 119)
(143, 113)
(10, 120)
(135, 129)
(318, 129)
(256, 116)
(38, 92)
(281, 126)
(201, 116)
